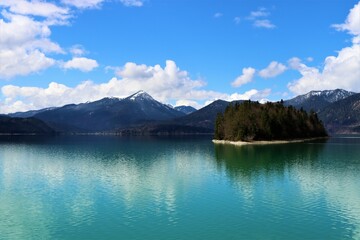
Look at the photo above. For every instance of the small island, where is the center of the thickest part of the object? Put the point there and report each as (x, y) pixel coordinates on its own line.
(252, 122)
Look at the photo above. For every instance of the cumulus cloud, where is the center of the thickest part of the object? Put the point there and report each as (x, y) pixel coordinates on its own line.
(36, 8)
(352, 22)
(274, 69)
(246, 77)
(165, 84)
(23, 51)
(340, 71)
(22, 62)
(25, 36)
(81, 63)
(26, 46)
(132, 3)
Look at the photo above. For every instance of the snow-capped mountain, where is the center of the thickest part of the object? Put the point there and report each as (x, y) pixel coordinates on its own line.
(141, 113)
(140, 96)
(318, 100)
(185, 109)
(106, 114)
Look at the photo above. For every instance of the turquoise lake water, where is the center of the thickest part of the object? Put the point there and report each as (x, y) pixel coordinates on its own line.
(177, 188)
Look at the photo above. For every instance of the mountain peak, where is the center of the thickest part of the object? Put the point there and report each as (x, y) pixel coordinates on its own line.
(140, 95)
(330, 95)
(318, 100)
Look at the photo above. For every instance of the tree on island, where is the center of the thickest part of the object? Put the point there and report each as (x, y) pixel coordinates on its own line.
(252, 121)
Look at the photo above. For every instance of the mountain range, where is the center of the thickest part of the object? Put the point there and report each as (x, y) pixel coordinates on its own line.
(338, 109)
(106, 114)
(140, 114)
(318, 100)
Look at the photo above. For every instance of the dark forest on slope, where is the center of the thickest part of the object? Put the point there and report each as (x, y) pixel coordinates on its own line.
(251, 121)
(10, 125)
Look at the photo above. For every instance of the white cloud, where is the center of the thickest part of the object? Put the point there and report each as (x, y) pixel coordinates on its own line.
(252, 94)
(81, 63)
(186, 102)
(264, 23)
(352, 22)
(25, 43)
(25, 40)
(165, 84)
(274, 69)
(21, 62)
(259, 19)
(36, 8)
(341, 71)
(237, 20)
(97, 3)
(132, 70)
(262, 12)
(356, 40)
(83, 3)
(23, 51)
(246, 77)
(77, 50)
(218, 15)
(132, 3)
(27, 30)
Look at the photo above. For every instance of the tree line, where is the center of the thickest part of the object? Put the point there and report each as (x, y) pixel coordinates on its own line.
(252, 121)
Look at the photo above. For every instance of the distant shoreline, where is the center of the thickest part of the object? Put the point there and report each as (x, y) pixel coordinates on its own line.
(262, 142)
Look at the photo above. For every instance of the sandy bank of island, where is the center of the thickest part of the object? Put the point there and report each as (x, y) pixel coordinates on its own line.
(242, 143)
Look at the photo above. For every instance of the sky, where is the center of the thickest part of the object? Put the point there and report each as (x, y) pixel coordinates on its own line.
(182, 52)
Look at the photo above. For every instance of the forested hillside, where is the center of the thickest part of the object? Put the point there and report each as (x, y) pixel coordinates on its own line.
(10, 125)
(251, 121)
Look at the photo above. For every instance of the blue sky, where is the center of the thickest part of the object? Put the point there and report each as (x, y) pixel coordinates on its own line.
(180, 51)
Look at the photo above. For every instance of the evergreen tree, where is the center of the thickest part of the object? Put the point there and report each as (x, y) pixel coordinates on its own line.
(250, 121)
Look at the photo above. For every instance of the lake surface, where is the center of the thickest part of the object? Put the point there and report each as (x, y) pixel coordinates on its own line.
(177, 188)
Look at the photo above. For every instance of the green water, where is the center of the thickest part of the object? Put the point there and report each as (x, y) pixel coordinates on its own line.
(177, 188)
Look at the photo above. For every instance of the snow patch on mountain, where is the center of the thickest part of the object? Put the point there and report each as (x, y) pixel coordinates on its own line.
(330, 96)
(140, 96)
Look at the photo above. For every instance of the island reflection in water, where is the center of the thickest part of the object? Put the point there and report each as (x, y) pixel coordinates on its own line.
(161, 188)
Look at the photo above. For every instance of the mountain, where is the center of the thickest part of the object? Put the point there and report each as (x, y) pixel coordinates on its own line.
(201, 121)
(108, 114)
(185, 109)
(204, 117)
(140, 114)
(28, 114)
(9, 125)
(318, 100)
(342, 116)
